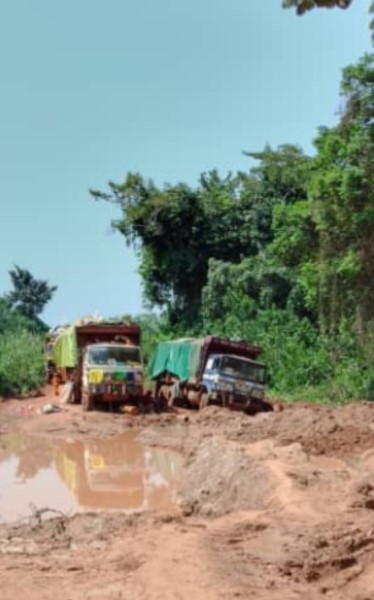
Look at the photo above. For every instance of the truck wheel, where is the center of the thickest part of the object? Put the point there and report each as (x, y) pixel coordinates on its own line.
(204, 400)
(87, 402)
(77, 394)
(70, 393)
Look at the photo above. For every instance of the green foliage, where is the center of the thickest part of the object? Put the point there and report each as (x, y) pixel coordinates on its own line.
(282, 255)
(21, 334)
(176, 230)
(11, 320)
(21, 363)
(29, 295)
(303, 6)
(342, 204)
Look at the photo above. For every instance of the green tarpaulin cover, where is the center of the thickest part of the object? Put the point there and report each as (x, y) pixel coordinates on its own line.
(179, 357)
(65, 349)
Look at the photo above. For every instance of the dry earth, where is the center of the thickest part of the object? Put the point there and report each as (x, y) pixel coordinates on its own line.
(277, 506)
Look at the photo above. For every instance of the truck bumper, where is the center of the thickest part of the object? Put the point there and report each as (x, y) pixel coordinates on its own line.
(116, 398)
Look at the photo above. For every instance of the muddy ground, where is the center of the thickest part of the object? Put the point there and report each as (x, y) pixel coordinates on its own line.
(277, 506)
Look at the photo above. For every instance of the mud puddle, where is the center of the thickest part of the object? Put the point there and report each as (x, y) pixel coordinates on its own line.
(73, 476)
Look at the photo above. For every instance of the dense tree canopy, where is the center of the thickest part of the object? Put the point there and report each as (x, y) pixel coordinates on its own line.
(282, 254)
(342, 200)
(178, 229)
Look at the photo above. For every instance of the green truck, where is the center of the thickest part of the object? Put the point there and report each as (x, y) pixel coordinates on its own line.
(210, 370)
(103, 361)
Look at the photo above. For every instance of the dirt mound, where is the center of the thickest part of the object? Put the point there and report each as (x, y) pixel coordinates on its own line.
(220, 478)
(319, 429)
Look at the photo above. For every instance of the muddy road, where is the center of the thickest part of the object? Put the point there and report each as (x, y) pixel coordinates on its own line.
(203, 505)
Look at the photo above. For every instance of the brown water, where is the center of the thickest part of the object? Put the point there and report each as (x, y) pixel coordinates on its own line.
(74, 476)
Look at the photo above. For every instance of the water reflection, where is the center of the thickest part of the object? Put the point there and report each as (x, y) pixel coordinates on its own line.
(72, 475)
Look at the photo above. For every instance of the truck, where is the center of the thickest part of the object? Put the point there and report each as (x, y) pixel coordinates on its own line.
(49, 341)
(103, 362)
(210, 370)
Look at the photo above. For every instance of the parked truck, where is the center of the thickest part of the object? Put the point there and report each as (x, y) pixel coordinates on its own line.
(103, 362)
(208, 370)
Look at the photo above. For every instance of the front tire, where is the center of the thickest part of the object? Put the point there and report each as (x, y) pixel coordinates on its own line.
(204, 400)
(87, 402)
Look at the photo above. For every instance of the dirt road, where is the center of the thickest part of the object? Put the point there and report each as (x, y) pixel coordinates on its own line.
(277, 506)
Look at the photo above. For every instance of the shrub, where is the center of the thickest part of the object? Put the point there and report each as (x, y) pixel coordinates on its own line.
(21, 363)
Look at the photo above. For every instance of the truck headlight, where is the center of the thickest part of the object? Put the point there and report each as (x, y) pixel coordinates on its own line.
(258, 394)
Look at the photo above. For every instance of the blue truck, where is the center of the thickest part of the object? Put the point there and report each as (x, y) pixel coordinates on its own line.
(210, 370)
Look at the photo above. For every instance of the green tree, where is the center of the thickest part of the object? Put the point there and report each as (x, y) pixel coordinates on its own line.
(251, 285)
(342, 197)
(11, 321)
(29, 295)
(282, 255)
(176, 230)
(303, 6)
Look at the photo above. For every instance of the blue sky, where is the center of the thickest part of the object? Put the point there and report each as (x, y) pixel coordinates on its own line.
(169, 88)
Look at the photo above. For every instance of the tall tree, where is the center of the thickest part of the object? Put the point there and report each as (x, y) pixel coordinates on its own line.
(342, 194)
(176, 229)
(274, 198)
(29, 295)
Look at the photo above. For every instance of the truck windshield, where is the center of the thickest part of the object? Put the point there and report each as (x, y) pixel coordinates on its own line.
(243, 369)
(114, 355)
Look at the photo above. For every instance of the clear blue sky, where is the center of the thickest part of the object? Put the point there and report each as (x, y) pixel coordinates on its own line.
(169, 88)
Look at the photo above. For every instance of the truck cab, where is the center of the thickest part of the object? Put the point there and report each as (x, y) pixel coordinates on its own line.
(234, 381)
(111, 372)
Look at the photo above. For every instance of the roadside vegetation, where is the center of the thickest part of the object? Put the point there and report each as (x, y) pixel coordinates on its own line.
(282, 255)
(21, 334)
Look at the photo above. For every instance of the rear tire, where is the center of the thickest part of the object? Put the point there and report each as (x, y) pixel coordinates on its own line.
(77, 394)
(70, 399)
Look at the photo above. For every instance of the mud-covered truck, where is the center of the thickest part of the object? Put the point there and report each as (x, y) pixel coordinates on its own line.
(210, 370)
(103, 362)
